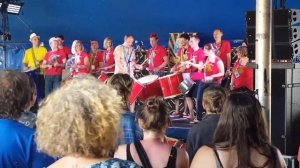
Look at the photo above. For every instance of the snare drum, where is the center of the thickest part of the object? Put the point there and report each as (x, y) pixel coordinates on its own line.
(34, 75)
(186, 85)
(169, 85)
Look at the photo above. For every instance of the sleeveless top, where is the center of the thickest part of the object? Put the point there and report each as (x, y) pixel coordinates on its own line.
(144, 158)
(272, 165)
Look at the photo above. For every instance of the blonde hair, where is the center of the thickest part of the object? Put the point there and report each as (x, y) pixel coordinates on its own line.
(73, 50)
(80, 118)
(105, 41)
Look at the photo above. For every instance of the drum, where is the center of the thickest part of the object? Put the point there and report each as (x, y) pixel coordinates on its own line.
(135, 91)
(103, 77)
(169, 85)
(144, 88)
(34, 75)
(186, 85)
(151, 87)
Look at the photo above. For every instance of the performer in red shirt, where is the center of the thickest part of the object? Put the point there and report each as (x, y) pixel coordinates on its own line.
(241, 75)
(223, 48)
(196, 75)
(81, 59)
(96, 58)
(108, 62)
(157, 56)
(60, 39)
(54, 62)
(184, 54)
(212, 71)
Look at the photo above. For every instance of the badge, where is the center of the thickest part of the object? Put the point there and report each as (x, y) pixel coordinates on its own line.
(236, 74)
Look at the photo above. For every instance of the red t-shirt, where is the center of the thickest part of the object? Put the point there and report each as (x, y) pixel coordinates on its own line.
(156, 57)
(223, 48)
(108, 60)
(79, 60)
(184, 55)
(66, 51)
(211, 68)
(95, 59)
(242, 76)
(52, 57)
(199, 57)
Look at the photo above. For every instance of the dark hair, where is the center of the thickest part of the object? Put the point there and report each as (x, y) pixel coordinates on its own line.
(15, 93)
(214, 97)
(123, 84)
(153, 35)
(210, 46)
(155, 115)
(185, 36)
(242, 125)
(60, 36)
(218, 29)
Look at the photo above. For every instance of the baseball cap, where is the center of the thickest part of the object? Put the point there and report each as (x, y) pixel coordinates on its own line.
(33, 35)
(52, 39)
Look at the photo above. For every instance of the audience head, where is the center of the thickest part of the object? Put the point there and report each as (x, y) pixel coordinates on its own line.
(81, 118)
(122, 83)
(242, 125)
(107, 43)
(33, 94)
(155, 115)
(15, 94)
(213, 99)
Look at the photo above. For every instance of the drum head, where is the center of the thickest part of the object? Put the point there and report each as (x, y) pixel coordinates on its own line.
(148, 79)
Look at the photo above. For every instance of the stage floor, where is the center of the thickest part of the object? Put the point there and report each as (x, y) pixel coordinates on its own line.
(179, 128)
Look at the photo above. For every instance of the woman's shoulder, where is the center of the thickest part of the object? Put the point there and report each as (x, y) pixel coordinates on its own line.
(115, 163)
(204, 158)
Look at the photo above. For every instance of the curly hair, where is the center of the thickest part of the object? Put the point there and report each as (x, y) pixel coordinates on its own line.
(80, 118)
(155, 115)
(123, 84)
(15, 93)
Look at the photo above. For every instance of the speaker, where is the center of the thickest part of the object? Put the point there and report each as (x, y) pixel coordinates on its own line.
(285, 110)
(285, 34)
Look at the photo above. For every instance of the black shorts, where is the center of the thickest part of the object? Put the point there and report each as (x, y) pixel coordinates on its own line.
(194, 90)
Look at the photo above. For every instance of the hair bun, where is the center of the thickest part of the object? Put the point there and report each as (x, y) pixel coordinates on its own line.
(152, 105)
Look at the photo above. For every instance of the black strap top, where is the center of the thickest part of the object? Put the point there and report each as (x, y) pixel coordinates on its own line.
(218, 161)
(144, 158)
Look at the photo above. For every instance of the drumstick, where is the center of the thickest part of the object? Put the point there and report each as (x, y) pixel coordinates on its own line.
(144, 61)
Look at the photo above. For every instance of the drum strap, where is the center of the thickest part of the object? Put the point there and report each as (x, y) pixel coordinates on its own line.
(33, 56)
